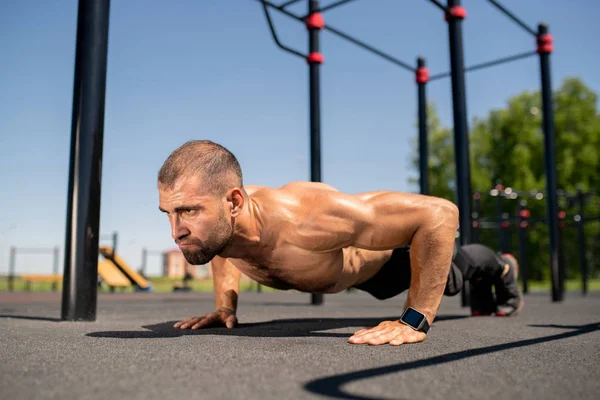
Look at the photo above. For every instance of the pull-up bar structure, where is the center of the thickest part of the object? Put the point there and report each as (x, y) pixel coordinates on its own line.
(87, 131)
(454, 15)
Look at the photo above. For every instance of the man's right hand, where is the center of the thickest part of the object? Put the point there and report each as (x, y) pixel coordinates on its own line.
(216, 318)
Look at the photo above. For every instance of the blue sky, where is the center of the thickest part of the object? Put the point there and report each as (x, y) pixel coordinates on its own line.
(189, 69)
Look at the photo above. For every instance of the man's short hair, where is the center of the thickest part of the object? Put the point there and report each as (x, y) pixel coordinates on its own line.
(216, 167)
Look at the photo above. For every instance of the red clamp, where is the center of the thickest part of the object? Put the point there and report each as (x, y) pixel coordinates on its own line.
(315, 58)
(544, 43)
(523, 224)
(524, 213)
(315, 21)
(422, 75)
(456, 12)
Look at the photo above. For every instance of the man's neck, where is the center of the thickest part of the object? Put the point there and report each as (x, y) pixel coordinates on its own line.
(247, 235)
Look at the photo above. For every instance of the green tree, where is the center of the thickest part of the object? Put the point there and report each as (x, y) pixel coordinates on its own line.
(508, 146)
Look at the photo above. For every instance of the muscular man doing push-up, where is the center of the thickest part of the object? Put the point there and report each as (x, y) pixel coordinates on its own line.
(310, 237)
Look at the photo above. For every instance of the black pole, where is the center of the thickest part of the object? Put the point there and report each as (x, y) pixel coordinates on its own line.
(87, 132)
(422, 76)
(581, 240)
(459, 103)
(11, 268)
(476, 207)
(505, 226)
(544, 50)
(314, 26)
(455, 17)
(523, 262)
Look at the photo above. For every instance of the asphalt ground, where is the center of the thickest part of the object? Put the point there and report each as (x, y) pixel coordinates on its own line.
(285, 348)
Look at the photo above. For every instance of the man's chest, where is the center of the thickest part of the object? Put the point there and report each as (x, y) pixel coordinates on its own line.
(295, 269)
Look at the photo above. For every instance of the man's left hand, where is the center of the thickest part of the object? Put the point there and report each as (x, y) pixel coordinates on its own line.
(393, 332)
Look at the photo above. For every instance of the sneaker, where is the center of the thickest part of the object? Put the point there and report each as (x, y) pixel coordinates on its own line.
(482, 298)
(508, 293)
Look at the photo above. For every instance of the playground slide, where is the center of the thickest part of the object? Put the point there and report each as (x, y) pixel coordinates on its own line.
(133, 276)
(112, 275)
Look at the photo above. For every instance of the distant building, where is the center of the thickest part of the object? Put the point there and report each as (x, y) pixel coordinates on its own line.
(175, 265)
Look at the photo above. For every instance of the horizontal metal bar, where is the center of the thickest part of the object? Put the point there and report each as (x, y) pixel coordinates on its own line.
(23, 250)
(333, 5)
(274, 34)
(439, 5)
(287, 3)
(280, 9)
(369, 48)
(487, 64)
(513, 17)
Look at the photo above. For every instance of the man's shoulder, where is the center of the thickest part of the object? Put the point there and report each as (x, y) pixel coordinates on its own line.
(307, 185)
(290, 187)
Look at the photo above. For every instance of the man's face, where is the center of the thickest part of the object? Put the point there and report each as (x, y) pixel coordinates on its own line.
(200, 222)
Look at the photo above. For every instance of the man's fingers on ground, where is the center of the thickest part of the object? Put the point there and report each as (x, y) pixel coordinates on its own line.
(382, 336)
(186, 322)
(368, 335)
(231, 322)
(206, 321)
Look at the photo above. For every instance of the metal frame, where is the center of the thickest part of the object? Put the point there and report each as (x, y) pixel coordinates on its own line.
(87, 132)
(454, 15)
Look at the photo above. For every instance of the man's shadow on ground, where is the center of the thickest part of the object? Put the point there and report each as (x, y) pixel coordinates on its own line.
(332, 386)
(301, 327)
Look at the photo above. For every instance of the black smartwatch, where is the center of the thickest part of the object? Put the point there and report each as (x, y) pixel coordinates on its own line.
(415, 320)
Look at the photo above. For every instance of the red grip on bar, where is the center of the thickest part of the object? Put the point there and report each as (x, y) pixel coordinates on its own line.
(505, 224)
(544, 43)
(315, 58)
(524, 213)
(562, 214)
(422, 75)
(523, 224)
(456, 12)
(315, 21)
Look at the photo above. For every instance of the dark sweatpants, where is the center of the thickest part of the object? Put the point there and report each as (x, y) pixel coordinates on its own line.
(470, 262)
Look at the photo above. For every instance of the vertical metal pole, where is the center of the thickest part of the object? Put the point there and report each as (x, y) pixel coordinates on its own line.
(476, 207)
(115, 240)
(11, 268)
(499, 216)
(524, 263)
(87, 132)
(315, 110)
(544, 50)
(55, 269)
(144, 260)
(422, 78)
(505, 226)
(461, 140)
(581, 240)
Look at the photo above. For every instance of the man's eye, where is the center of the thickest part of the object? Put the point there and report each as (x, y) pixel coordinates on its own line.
(189, 212)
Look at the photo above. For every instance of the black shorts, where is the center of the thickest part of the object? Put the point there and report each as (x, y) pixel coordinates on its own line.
(394, 277)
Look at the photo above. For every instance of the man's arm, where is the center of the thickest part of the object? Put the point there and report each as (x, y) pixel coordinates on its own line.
(226, 279)
(389, 220)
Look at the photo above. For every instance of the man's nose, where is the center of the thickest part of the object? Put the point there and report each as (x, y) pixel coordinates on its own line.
(178, 229)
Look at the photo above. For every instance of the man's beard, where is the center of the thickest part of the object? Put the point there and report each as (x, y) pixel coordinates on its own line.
(220, 238)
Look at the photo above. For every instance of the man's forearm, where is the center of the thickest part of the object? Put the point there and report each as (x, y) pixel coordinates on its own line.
(226, 278)
(431, 257)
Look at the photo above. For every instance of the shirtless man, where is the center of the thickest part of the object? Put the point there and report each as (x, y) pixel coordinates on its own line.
(309, 237)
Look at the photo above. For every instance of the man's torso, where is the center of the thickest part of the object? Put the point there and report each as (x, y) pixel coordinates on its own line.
(301, 247)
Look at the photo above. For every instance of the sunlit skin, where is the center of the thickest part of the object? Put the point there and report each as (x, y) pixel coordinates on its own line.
(310, 237)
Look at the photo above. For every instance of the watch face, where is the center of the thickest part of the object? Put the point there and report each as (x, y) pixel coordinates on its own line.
(412, 317)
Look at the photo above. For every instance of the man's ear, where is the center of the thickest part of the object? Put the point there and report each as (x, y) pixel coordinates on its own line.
(236, 201)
